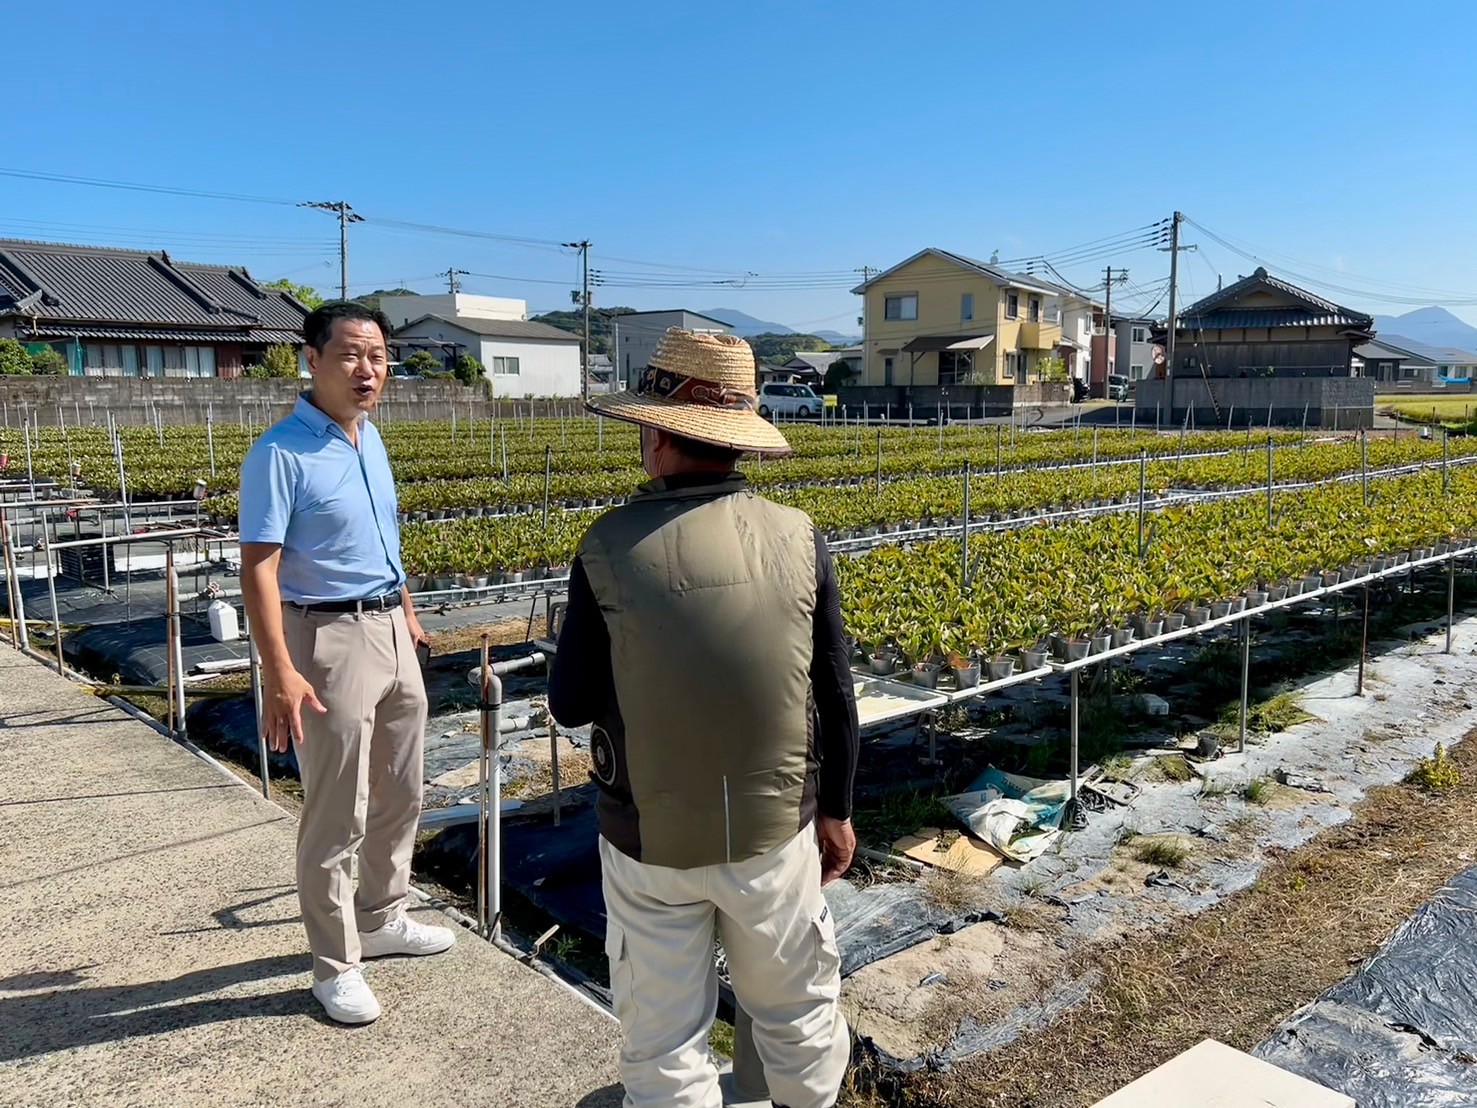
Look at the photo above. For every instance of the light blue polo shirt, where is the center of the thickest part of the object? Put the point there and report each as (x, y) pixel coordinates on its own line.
(329, 506)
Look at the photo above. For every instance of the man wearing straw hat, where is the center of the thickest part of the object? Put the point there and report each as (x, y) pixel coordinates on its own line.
(703, 641)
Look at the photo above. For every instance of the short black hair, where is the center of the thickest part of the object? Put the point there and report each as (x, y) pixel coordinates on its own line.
(707, 452)
(318, 326)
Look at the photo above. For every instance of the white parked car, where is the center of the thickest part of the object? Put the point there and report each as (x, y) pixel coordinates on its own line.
(792, 401)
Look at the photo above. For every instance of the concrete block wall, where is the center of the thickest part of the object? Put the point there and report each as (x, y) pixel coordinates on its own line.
(85, 401)
(1333, 403)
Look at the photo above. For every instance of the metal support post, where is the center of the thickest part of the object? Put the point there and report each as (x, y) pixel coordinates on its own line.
(1450, 598)
(30, 469)
(256, 700)
(18, 612)
(489, 823)
(12, 583)
(1363, 644)
(1143, 488)
(1075, 738)
(56, 618)
(879, 458)
(1364, 464)
(1245, 680)
(1269, 482)
(964, 537)
(548, 478)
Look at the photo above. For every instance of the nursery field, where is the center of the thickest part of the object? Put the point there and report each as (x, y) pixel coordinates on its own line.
(1449, 411)
(1212, 533)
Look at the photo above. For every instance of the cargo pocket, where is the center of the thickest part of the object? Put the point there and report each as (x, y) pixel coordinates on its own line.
(622, 1000)
(827, 955)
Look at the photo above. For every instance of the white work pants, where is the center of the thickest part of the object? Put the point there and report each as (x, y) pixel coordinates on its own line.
(781, 944)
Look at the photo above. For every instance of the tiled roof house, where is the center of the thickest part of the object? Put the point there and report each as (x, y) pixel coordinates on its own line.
(136, 313)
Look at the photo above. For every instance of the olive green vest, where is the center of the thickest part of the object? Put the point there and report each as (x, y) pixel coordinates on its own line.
(709, 595)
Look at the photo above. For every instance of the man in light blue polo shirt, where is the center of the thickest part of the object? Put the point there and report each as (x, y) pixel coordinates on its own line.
(333, 622)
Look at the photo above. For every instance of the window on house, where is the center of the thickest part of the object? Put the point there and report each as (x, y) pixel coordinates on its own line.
(174, 361)
(1012, 306)
(887, 371)
(1034, 308)
(505, 367)
(1010, 365)
(901, 307)
(1136, 371)
(1140, 334)
(130, 361)
(199, 361)
(154, 360)
(1053, 311)
(966, 306)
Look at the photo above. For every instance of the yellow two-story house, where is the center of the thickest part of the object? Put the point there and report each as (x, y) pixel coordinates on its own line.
(941, 319)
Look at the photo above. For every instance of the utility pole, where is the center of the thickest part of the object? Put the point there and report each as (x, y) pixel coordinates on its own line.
(454, 286)
(1108, 342)
(584, 297)
(1174, 279)
(346, 215)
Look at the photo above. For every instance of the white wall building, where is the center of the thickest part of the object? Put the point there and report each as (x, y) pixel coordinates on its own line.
(521, 358)
(452, 305)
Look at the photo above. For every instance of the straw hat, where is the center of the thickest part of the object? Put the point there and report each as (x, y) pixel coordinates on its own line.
(701, 387)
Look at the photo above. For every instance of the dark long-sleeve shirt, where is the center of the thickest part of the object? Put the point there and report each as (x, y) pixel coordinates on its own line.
(582, 686)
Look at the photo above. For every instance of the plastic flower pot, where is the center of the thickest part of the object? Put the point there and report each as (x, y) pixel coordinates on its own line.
(1074, 650)
(1276, 593)
(966, 677)
(1196, 616)
(1328, 580)
(1122, 636)
(1101, 643)
(882, 664)
(1174, 621)
(1220, 609)
(1033, 659)
(1238, 605)
(1001, 667)
(1256, 598)
(1153, 628)
(925, 675)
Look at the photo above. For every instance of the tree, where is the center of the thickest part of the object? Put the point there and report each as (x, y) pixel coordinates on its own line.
(601, 320)
(422, 363)
(15, 360)
(838, 373)
(1052, 369)
(279, 361)
(468, 370)
(48, 362)
(305, 293)
(775, 347)
(372, 300)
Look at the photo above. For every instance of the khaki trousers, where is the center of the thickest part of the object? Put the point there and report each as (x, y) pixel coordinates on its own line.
(780, 941)
(361, 772)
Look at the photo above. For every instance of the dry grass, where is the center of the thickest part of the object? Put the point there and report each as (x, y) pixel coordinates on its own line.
(953, 892)
(1314, 912)
(506, 632)
(1169, 852)
(1170, 767)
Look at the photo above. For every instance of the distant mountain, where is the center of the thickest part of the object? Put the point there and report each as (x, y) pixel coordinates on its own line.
(836, 338)
(746, 326)
(1430, 326)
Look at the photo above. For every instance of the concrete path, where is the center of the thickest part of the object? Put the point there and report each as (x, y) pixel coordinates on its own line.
(151, 953)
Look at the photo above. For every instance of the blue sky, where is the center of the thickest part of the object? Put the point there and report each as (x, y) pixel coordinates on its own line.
(757, 137)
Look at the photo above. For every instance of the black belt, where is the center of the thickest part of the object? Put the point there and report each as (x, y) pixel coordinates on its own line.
(385, 603)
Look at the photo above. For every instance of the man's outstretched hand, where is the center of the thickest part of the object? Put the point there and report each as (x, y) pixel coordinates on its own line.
(838, 844)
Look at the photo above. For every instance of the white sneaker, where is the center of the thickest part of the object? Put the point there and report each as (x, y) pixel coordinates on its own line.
(347, 999)
(402, 935)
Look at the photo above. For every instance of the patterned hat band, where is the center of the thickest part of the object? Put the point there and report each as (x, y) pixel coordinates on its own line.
(668, 385)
